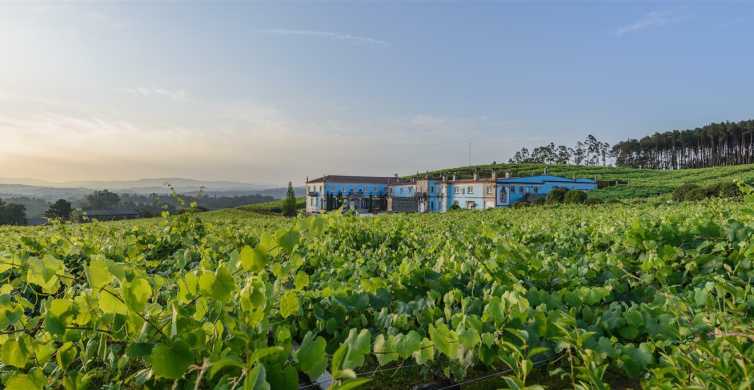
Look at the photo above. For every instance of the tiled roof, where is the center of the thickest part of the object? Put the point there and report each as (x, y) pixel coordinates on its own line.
(401, 182)
(544, 178)
(464, 181)
(353, 179)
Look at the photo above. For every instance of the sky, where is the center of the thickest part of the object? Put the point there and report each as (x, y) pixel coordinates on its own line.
(271, 92)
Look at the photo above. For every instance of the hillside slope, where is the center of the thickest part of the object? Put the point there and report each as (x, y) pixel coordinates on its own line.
(641, 182)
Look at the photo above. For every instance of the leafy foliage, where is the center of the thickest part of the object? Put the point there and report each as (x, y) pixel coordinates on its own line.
(655, 295)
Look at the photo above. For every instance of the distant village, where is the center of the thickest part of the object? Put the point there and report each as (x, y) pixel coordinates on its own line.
(372, 194)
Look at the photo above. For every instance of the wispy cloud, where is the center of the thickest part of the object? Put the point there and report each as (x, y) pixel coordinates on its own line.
(327, 35)
(654, 19)
(179, 94)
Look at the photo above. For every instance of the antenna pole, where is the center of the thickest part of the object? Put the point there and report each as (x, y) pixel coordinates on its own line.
(469, 153)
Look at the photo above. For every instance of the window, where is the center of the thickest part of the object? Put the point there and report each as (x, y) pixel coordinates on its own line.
(470, 205)
(457, 190)
(470, 189)
(491, 190)
(432, 189)
(431, 205)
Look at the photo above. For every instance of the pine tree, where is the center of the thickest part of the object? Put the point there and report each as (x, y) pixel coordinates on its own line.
(289, 204)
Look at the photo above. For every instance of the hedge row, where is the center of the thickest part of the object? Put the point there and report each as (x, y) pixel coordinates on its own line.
(694, 192)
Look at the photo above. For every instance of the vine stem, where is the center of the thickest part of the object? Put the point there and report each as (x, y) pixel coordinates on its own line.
(137, 313)
(202, 370)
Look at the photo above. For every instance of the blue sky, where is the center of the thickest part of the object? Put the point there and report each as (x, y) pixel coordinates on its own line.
(268, 93)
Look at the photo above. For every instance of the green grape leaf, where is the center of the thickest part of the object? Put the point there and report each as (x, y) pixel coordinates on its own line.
(288, 239)
(289, 304)
(283, 378)
(44, 273)
(385, 349)
(495, 311)
(111, 304)
(301, 281)
(469, 337)
(311, 355)
(15, 353)
(25, 382)
(409, 343)
(224, 363)
(358, 348)
(171, 360)
(98, 272)
(252, 259)
(139, 350)
(223, 284)
(257, 379)
(444, 340)
(136, 294)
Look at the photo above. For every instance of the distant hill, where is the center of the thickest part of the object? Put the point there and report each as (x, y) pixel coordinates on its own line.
(45, 193)
(15, 187)
(642, 183)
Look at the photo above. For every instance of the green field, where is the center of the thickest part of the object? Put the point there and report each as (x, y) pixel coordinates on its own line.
(642, 183)
(274, 207)
(613, 295)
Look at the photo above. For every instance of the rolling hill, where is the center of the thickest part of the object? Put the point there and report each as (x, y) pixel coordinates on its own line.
(642, 183)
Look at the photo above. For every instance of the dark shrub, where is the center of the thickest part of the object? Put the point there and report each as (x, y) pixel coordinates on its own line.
(521, 204)
(696, 194)
(729, 190)
(680, 193)
(594, 201)
(575, 197)
(713, 191)
(556, 195)
(534, 198)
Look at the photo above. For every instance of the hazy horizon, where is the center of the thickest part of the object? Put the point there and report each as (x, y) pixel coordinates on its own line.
(267, 93)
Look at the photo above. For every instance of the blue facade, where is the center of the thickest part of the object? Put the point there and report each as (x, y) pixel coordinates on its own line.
(431, 195)
(471, 194)
(515, 189)
(355, 192)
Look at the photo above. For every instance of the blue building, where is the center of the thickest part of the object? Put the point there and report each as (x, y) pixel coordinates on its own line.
(511, 190)
(375, 194)
(416, 195)
(471, 194)
(363, 193)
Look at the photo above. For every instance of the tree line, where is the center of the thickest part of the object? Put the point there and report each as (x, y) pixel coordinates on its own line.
(12, 214)
(590, 151)
(725, 143)
(15, 213)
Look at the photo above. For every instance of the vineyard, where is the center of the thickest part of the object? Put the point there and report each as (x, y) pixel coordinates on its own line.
(608, 296)
(642, 183)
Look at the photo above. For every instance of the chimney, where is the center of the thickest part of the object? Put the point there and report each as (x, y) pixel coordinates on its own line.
(444, 178)
(507, 174)
(494, 176)
(545, 170)
(476, 176)
(454, 177)
(307, 179)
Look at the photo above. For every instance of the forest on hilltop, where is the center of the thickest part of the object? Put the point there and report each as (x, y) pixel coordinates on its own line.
(724, 143)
